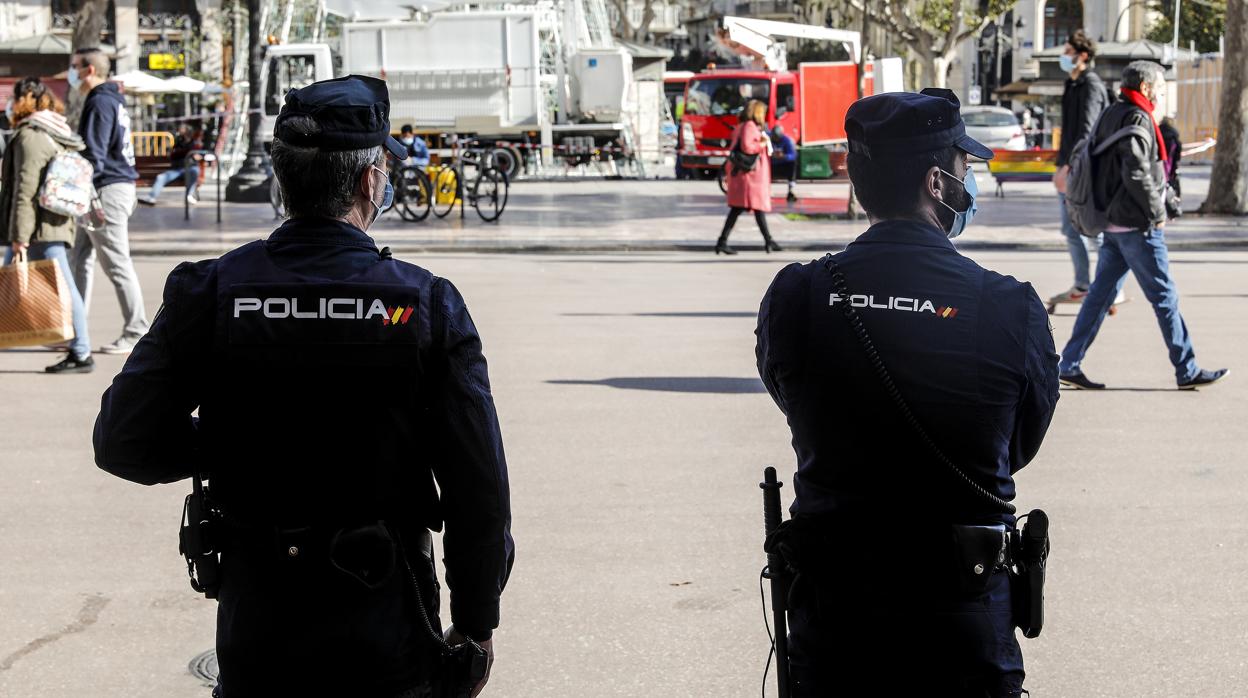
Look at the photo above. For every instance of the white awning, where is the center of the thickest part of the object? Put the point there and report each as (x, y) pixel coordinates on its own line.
(186, 84)
(137, 81)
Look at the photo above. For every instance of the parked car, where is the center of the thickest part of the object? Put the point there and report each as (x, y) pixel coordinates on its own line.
(995, 127)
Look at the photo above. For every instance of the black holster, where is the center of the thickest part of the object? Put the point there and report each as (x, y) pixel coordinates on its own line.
(1030, 550)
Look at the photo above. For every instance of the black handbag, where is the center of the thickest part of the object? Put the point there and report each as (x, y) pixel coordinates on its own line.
(741, 160)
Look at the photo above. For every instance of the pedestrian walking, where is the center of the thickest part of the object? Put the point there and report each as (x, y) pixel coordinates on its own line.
(896, 363)
(784, 159)
(1174, 153)
(105, 129)
(1083, 99)
(31, 231)
(749, 176)
(1131, 178)
(181, 164)
(344, 413)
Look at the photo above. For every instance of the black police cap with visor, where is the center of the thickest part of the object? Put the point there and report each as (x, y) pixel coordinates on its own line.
(898, 124)
(353, 113)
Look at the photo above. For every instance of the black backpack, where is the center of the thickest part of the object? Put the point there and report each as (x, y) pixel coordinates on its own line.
(1089, 217)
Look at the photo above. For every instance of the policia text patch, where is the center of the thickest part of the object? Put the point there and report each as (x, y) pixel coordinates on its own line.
(320, 313)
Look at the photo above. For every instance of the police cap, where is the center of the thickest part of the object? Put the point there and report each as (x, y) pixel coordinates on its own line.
(353, 113)
(902, 123)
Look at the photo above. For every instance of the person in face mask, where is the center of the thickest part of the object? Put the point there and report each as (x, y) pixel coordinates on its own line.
(1084, 98)
(970, 351)
(417, 149)
(376, 366)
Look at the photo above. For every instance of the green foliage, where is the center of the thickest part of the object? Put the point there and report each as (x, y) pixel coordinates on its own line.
(937, 15)
(1202, 21)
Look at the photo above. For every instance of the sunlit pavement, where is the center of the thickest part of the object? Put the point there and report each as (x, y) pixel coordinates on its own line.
(636, 432)
(656, 215)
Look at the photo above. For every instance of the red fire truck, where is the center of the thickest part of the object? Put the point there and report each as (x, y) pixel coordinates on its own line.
(810, 103)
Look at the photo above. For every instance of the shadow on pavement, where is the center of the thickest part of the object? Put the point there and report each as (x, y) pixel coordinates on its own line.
(677, 384)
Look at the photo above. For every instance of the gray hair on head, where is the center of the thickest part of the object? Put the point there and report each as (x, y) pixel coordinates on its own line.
(1138, 73)
(315, 182)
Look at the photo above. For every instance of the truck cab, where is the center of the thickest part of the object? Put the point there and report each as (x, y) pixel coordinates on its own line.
(289, 67)
(714, 101)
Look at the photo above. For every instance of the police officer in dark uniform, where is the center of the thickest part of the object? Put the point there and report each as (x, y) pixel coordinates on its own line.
(344, 413)
(880, 604)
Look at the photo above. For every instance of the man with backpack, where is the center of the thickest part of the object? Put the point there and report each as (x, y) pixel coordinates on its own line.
(1083, 99)
(1127, 186)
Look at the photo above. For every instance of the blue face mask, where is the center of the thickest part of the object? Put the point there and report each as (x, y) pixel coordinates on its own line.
(1067, 63)
(387, 199)
(961, 219)
(72, 77)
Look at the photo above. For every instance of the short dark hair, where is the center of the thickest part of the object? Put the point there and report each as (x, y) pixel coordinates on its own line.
(407, 128)
(96, 58)
(888, 187)
(1082, 43)
(315, 182)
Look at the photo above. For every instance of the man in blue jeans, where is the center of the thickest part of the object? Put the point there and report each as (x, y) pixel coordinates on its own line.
(183, 145)
(1084, 98)
(1131, 179)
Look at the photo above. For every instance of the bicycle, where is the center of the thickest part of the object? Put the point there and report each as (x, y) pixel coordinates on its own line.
(487, 194)
(413, 193)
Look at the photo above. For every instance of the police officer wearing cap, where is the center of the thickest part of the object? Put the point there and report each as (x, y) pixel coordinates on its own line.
(344, 412)
(881, 604)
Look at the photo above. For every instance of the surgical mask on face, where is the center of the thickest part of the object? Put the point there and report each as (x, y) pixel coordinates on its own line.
(961, 219)
(72, 77)
(8, 112)
(1067, 62)
(407, 141)
(387, 199)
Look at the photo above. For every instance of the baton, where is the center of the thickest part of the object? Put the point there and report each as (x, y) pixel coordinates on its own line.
(779, 582)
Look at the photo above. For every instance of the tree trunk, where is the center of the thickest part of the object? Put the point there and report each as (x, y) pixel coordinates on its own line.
(647, 18)
(89, 21)
(1228, 186)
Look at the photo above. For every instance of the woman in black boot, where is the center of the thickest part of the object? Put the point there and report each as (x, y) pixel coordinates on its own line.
(749, 175)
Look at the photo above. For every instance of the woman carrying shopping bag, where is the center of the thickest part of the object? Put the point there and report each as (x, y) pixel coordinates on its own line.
(31, 231)
(749, 175)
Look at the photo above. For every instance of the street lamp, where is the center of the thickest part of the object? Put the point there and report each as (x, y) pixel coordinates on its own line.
(250, 183)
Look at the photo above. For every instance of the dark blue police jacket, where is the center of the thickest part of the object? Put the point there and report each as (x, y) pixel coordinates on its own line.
(971, 351)
(335, 386)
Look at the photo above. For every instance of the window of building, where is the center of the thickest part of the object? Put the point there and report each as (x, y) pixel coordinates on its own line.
(1061, 19)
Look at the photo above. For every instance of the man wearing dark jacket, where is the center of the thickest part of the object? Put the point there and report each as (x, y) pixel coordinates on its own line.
(1083, 100)
(105, 128)
(344, 413)
(1130, 180)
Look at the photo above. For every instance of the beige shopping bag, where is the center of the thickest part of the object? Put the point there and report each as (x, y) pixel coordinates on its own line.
(35, 305)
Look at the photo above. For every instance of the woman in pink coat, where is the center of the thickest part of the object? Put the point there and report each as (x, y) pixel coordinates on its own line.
(750, 190)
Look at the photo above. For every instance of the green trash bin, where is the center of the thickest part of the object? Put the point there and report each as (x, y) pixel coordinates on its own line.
(813, 163)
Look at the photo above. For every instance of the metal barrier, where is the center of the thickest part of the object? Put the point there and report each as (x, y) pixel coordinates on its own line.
(151, 143)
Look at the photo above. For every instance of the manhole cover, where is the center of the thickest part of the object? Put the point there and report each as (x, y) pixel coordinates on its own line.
(204, 667)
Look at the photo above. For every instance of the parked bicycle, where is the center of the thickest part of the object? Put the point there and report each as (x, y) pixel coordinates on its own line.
(487, 191)
(413, 193)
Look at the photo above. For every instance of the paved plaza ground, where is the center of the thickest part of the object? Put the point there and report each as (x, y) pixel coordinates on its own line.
(628, 215)
(636, 430)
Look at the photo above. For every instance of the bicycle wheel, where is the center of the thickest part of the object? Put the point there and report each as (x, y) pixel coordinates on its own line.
(413, 194)
(445, 191)
(489, 194)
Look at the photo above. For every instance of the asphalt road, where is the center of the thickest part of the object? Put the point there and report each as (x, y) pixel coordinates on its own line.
(636, 431)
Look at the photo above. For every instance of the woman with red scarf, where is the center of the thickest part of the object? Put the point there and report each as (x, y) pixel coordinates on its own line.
(1130, 182)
